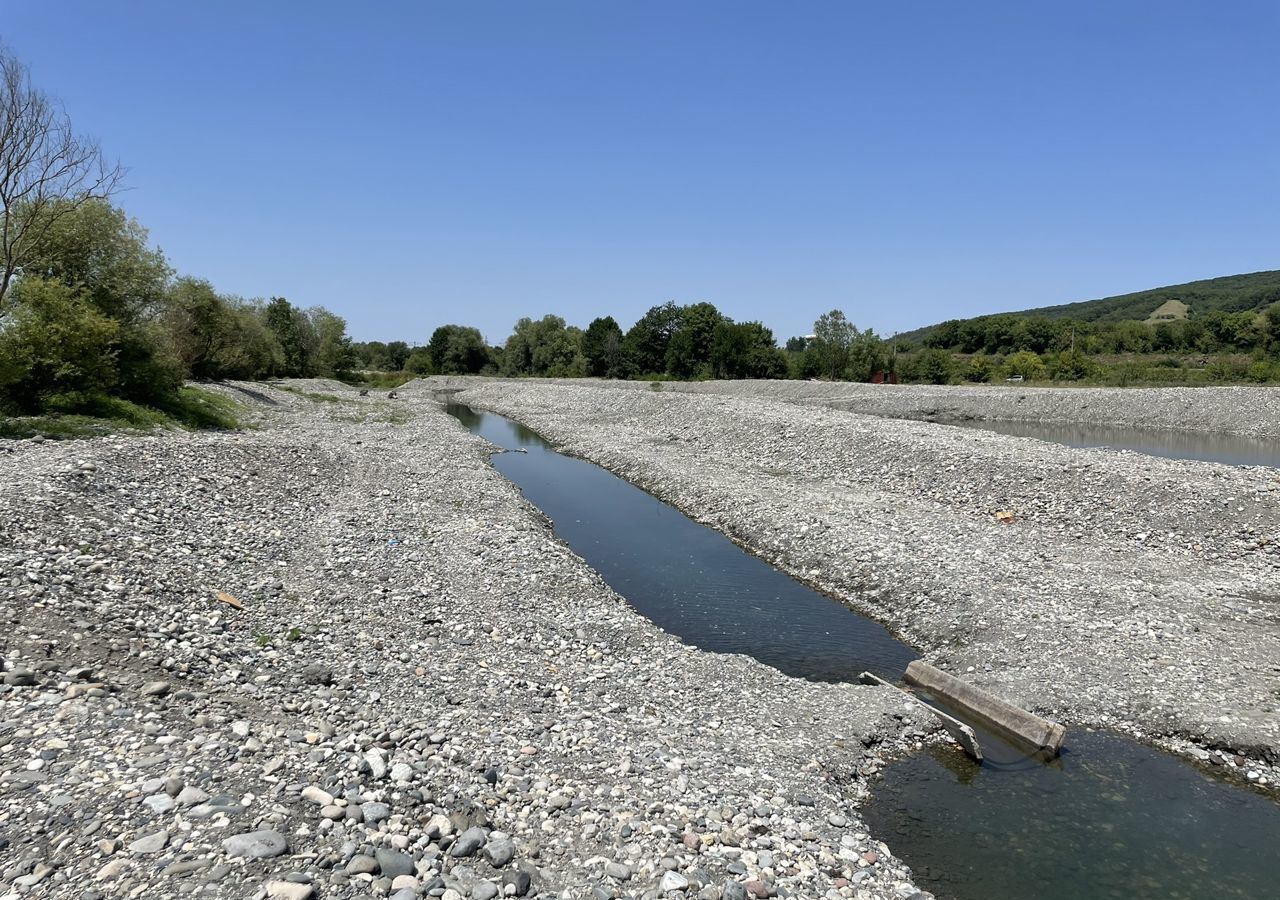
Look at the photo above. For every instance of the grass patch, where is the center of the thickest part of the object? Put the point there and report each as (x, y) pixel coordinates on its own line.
(314, 396)
(71, 416)
(381, 380)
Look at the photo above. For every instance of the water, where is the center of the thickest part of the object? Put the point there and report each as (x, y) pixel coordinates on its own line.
(692, 581)
(1234, 450)
(1109, 818)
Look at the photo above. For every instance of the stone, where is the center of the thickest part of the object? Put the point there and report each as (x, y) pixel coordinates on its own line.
(617, 871)
(673, 881)
(519, 880)
(375, 812)
(190, 796)
(499, 849)
(404, 883)
(289, 890)
(159, 803)
(468, 842)
(155, 688)
(401, 772)
(314, 673)
(151, 843)
(360, 864)
(317, 795)
(393, 863)
(20, 678)
(264, 844)
(485, 890)
(733, 890)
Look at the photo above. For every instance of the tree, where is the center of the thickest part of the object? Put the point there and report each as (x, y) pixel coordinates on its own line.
(1024, 363)
(397, 354)
(216, 337)
(332, 356)
(47, 171)
(97, 248)
(543, 347)
(746, 350)
(55, 343)
(689, 349)
(933, 366)
(295, 334)
(457, 350)
(833, 335)
(602, 348)
(647, 342)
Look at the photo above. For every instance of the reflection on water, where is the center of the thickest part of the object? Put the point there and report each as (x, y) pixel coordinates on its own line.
(1111, 818)
(692, 581)
(1233, 450)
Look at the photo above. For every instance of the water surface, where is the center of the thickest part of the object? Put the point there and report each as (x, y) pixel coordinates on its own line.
(689, 579)
(1109, 818)
(1234, 450)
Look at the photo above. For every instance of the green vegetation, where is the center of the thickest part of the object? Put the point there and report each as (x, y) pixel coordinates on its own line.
(96, 333)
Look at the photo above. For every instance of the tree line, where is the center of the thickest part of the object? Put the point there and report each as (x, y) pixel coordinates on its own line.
(669, 341)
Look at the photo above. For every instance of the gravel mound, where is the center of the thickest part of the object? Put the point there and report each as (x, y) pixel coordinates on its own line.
(1128, 592)
(1252, 411)
(339, 656)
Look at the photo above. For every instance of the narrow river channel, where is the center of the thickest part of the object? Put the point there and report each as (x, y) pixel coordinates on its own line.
(1109, 818)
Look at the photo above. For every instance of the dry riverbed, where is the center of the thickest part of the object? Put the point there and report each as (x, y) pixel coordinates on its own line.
(1128, 592)
(418, 691)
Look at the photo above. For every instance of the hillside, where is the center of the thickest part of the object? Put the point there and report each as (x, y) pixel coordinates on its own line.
(1230, 293)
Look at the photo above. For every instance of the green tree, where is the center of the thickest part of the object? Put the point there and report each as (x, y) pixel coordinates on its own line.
(1024, 363)
(833, 335)
(457, 350)
(543, 347)
(689, 349)
(294, 333)
(55, 342)
(979, 369)
(746, 350)
(934, 366)
(647, 341)
(332, 356)
(602, 348)
(397, 354)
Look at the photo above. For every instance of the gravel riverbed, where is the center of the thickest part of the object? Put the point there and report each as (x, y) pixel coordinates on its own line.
(408, 687)
(1128, 592)
(1235, 410)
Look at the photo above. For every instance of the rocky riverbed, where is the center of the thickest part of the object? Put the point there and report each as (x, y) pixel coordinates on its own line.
(1104, 589)
(337, 656)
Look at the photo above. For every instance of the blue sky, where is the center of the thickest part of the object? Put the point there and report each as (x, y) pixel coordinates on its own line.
(411, 164)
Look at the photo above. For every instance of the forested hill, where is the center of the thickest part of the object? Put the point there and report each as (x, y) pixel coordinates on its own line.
(1231, 293)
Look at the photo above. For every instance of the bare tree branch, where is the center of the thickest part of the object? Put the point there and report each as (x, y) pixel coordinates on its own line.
(47, 171)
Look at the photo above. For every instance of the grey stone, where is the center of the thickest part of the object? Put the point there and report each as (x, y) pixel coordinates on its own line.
(468, 842)
(733, 890)
(155, 688)
(393, 862)
(673, 881)
(617, 871)
(375, 812)
(151, 843)
(263, 844)
(499, 849)
(360, 864)
(485, 890)
(159, 803)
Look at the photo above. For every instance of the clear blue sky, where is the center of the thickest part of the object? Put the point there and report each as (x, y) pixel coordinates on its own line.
(410, 164)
